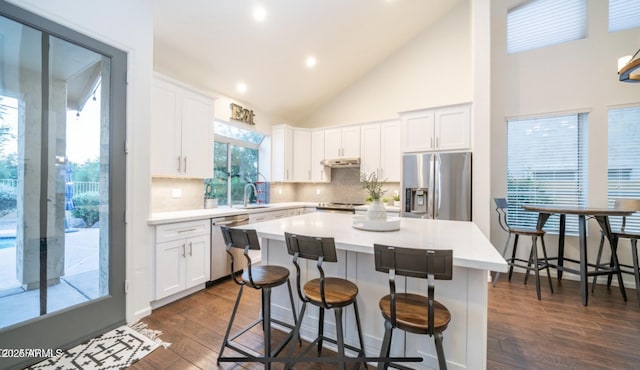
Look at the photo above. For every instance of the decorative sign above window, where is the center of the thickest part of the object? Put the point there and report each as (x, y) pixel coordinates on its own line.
(242, 114)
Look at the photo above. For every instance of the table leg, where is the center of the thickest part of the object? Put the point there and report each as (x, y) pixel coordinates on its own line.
(582, 231)
(603, 221)
(563, 221)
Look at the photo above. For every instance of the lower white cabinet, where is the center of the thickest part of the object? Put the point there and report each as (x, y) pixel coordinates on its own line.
(182, 256)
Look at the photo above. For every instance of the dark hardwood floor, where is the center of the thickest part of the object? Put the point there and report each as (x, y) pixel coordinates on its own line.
(523, 333)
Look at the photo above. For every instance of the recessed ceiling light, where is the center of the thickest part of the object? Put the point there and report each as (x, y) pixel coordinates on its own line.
(259, 13)
(241, 87)
(311, 62)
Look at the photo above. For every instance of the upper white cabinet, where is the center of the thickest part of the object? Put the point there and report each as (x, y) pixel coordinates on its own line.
(181, 132)
(380, 150)
(301, 155)
(445, 128)
(296, 155)
(281, 153)
(319, 172)
(342, 142)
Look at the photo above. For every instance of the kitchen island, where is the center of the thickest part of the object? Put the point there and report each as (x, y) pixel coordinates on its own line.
(466, 296)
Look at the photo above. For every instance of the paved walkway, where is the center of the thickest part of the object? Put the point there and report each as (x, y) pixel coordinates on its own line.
(79, 283)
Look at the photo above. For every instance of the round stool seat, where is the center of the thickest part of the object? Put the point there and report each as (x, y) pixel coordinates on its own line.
(338, 292)
(266, 276)
(411, 313)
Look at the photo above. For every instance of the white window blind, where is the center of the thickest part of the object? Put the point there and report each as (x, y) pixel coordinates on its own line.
(546, 165)
(623, 14)
(624, 166)
(545, 22)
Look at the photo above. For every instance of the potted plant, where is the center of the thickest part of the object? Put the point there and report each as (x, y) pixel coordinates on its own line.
(210, 199)
(373, 186)
(396, 200)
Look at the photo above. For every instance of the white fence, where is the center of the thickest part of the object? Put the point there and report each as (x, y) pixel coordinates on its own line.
(79, 187)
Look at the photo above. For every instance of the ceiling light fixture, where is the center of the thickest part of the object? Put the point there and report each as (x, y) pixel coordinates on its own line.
(241, 87)
(259, 13)
(629, 68)
(311, 62)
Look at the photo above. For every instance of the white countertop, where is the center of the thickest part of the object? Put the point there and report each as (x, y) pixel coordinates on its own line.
(471, 248)
(158, 218)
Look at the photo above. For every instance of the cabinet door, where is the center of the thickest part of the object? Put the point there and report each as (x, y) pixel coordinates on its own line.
(197, 136)
(453, 127)
(417, 132)
(370, 150)
(351, 142)
(281, 146)
(197, 260)
(166, 136)
(390, 153)
(301, 158)
(319, 172)
(333, 143)
(169, 268)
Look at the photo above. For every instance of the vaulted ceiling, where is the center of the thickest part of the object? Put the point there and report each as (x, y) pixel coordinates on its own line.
(216, 44)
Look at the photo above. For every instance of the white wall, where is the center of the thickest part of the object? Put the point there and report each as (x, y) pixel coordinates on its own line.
(127, 25)
(577, 75)
(431, 70)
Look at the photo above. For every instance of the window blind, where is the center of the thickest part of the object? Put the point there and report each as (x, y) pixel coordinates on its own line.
(623, 14)
(545, 22)
(546, 165)
(623, 164)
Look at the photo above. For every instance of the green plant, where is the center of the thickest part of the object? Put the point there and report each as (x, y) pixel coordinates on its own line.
(396, 197)
(385, 200)
(372, 184)
(87, 207)
(7, 199)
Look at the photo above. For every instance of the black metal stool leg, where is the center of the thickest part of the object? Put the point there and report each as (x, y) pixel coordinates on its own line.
(359, 327)
(546, 263)
(233, 316)
(296, 332)
(598, 261)
(636, 273)
(513, 255)
(340, 337)
(293, 309)
(321, 329)
(529, 264)
(534, 248)
(385, 350)
(504, 254)
(442, 362)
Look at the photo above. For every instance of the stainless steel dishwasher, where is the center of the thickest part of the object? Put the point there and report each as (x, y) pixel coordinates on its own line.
(219, 258)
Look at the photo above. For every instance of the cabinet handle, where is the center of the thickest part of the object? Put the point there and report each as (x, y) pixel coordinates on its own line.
(287, 175)
(179, 164)
(309, 174)
(321, 175)
(185, 164)
(431, 143)
(437, 142)
(190, 249)
(184, 250)
(187, 230)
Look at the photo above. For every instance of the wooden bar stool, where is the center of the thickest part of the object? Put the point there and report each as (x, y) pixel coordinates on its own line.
(324, 292)
(411, 312)
(263, 278)
(533, 263)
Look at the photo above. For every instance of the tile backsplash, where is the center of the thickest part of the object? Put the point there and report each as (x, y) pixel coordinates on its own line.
(345, 187)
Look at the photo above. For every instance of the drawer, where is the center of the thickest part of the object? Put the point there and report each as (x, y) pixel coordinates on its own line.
(182, 230)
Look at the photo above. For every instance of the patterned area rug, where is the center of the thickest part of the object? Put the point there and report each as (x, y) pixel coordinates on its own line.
(116, 349)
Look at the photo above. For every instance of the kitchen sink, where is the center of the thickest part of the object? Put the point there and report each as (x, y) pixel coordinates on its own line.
(252, 206)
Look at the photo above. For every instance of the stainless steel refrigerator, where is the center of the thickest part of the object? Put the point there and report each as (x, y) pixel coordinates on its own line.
(436, 185)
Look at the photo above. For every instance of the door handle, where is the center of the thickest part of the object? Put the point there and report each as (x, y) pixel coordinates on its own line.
(179, 164)
(190, 249)
(185, 164)
(184, 250)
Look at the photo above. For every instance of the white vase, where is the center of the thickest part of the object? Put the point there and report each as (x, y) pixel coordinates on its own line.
(211, 203)
(376, 211)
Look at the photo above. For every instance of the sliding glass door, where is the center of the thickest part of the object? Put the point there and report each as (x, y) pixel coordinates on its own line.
(61, 185)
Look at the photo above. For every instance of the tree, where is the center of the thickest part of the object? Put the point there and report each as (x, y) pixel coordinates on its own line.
(88, 171)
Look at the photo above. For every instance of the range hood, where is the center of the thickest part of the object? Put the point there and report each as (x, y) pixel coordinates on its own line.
(342, 162)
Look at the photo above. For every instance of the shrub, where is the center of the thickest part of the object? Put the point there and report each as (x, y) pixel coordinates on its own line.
(7, 199)
(87, 207)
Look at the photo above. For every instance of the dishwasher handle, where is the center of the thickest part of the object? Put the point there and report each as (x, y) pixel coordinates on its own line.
(237, 222)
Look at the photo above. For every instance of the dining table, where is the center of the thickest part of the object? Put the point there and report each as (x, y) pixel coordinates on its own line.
(601, 215)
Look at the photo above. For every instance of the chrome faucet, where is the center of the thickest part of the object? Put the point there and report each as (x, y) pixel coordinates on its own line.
(245, 197)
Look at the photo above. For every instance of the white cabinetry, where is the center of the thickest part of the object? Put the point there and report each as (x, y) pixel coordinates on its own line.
(319, 172)
(301, 155)
(445, 128)
(181, 132)
(296, 155)
(282, 153)
(342, 142)
(274, 215)
(182, 257)
(380, 150)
